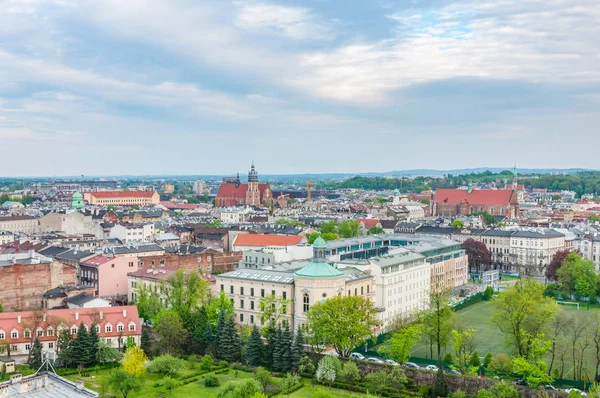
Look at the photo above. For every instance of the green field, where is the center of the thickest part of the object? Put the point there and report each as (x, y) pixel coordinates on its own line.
(197, 389)
(489, 338)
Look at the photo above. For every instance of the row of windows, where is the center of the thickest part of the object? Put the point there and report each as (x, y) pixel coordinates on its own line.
(242, 291)
(50, 331)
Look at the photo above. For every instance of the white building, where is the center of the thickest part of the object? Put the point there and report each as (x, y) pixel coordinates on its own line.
(200, 187)
(129, 233)
(6, 237)
(234, 215)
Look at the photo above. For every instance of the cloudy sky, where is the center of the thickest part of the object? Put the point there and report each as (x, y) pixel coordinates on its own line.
(205, 87)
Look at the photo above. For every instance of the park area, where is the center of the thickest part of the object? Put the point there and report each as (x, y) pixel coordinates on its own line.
(489, 338)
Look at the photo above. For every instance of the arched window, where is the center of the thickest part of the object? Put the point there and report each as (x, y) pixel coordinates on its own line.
(492, 211)
(306, 302)
(471, 212)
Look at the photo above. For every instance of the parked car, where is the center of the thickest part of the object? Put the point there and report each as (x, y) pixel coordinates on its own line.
(391, 362)
(411, 365)
(452, 372)
(568, 391)
(432, 367)
(375, 360)
(550, 387)
(357, 355)
(521, 382)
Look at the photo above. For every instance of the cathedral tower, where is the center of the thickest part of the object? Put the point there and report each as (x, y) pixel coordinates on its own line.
(253, 193)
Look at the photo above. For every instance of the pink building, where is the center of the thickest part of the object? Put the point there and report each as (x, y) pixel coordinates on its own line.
(108, 274)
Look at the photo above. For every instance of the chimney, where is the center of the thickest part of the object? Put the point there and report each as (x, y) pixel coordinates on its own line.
(124, 313)
(18, 318)
(44, 317)
(77, 315)
(101, 315)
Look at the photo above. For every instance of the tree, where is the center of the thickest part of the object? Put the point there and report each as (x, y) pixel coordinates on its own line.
(170, 383)
(244, 389)
(263, 377)
(457, 224)
(327, 236)
(474, 360)
(170, 328)
(229, 344)
(375, 381)
(375, 231)
(255, 348)
(275, 348)
(464, 345)
(350, 372)
(328, 368)
(534, 374)
(479, 255)
(289, 222)
(328, 227)
(594, 218)
(285, 349)
(105, 353)
(145, 341)
(522, 314)
(186, 293)
(272, 309)
(216, 306)
(556, 263)
(166, 364)
(65, 346)
(577, 275)
(342, 322)
(134, 361)
(501, 365)
(499, 390)
(288, 382)
(147, 302)
(348, 228)
(402, 341)
(81, 347)
(123, 382)
(297, 349)
(487, 360)
(93, 344)
(35, 357)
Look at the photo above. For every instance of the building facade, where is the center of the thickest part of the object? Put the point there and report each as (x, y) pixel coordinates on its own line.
(108, 274)
(122, 198)
(20, 224)
(234, 193)
(453, 202)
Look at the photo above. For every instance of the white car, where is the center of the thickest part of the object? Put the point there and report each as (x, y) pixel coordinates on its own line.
(374, 360)
(358, 356)
(432, 367)
(568, 391)
(391, 362)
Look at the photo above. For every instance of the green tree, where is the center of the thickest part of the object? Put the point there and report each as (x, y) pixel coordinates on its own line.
(348, 228)
(93, 344)
(244, 389)
(229, 344)
(594, 218)
(255, 348)
(186, 293)
(217, 305)
(105, 353)
(328, 227)
(350, 372)
(214, 224)
(35, 359)
(275, 348)
(123, 383)
(501, 365)
(170, 383)
(342, 322)
(263, 377)
(533, 373)
(375, 381)
(463, 345)
(375, 231)
(328, 368)
(272, 309)
(65, 345)
(577, 275)
(487, 360)
(474, 360)
(499, 390)
(81, 347)
(457, 224)
(297, 349)
(522, 314)
(327, 236)
(145, 341)
(289, 222)
(147, 302)
(166, 364)
(402, 341)
(288, 382)
(170, 328)
(285, 349)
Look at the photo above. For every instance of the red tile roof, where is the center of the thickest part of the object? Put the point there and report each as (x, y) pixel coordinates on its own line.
(182, 206)
(9, 321)
(477, 197)
(267, 240)
(238, 192)
(122, 194)
(161, 274)
(368, 222)
(97, 260)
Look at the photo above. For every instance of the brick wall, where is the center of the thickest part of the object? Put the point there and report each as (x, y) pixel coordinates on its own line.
(22, 285)
(208, 262)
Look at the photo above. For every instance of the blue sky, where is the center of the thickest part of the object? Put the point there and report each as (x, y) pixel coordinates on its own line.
(205, 87)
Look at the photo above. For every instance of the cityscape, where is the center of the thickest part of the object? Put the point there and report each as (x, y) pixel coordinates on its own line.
(254, 199)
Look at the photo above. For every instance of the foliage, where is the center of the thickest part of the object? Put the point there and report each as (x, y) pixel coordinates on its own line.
(488, 293)
(440, 389)
(82, 348)
(488, 219)
(577, 275)
(556, 263)
(328, 368)
(402, 341)
(463, 346)
(263, 377)
(479, 255)
(145, 341)
(207, 363)
(35, 357)
(123, 382)
(288, 382)
(170, 328)
(501, 365)
(166, 364)
(211, 381)
(106, 353)
(134, 361)
(342, 322)
(229, 344)
(214, 224)
(457, 224)
(297, 349)
(307, 365)
(221, 304)
(255, 348)
(474, 360)
(320, 393)
(244, 389)
(448, 358)
(499, 390)
(327, 236)
(487, 360)
(348, 228)
(170, 383)
(522, 313)
(375, 231)
(147, 302)
(65, 347)
(375, 381)
(186, 292)
(533, 373)
(272, 309)
(350, 372)
(289, 222)
(437, 321)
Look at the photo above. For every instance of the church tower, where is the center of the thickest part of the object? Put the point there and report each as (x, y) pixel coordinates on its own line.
(253, 193)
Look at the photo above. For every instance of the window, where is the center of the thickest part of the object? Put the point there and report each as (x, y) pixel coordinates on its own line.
(284, 295)
(40, 333)
(242, 291)
(120, 328)
(28, 347)
(131, 263)
(306, 302)
(362, 290)
(272, 292)
(108, 328)
(132, 327)
(367, 288)
(252, 291)
(241, 317)
(14, 348)
(251, 318)
(97, 327)
(222, 287)
(27, 333)
(241, 303)
(112, 266)
(262, 292)
(231, 289)
(356, 291)
(252, 305)
(51, 345)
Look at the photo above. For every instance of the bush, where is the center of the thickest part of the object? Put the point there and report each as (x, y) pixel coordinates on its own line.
(189, 380)
(350, 372)
(458, 394)
(211, 381)
(448, 358)
(223, 364)
(166, 364)
(501, 365)
(222, 371)
(263, 377)
(207, 363)
(474, 360)
(375, 381)
(307, 366)
(329, 367)
(487, 359)
(488, 293)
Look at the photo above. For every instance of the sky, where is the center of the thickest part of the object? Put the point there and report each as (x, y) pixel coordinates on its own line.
(141, 87)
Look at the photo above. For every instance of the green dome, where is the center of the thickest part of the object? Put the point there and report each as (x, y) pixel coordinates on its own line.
(396, 192)
(77, 201)
(77, 196)
(319, 243)
(319, 270)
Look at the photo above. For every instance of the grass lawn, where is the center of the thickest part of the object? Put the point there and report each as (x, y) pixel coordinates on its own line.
(489, 338)
(197, 388)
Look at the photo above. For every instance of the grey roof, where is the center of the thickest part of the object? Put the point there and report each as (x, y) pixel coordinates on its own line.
(74, 255)
(261, 275)
(150, 247)
(80, 299)
(53, 251)
(58, 387)
(397, 256)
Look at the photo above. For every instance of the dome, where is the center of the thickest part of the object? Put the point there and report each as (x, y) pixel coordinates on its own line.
(77, 196)
(396, 192)
(319, 270)
(77, 201)
(319, 243)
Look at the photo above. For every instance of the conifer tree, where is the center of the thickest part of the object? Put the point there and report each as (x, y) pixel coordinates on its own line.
(230, 344)
(254, 348)
(285, 349)
(81, 347)
(211, 339)
(35, 357)
(145, 341)
(277, 349)
(65, 344)
(297, 349)
(93, 342)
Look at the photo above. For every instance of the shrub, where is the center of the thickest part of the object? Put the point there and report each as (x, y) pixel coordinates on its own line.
(223, 364)
(474, 360)
(328, 368)
(350, 372)
(448, 358)
(320, 393)
(288, 382)
(487, 359)
(488, 293)
(307, 366)
(501, 365)
(263, 377)
(244, 389)
(207, 363)
(170, 383)
(458, 394)
(166, 364)
(211, 381)
(375, 381)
